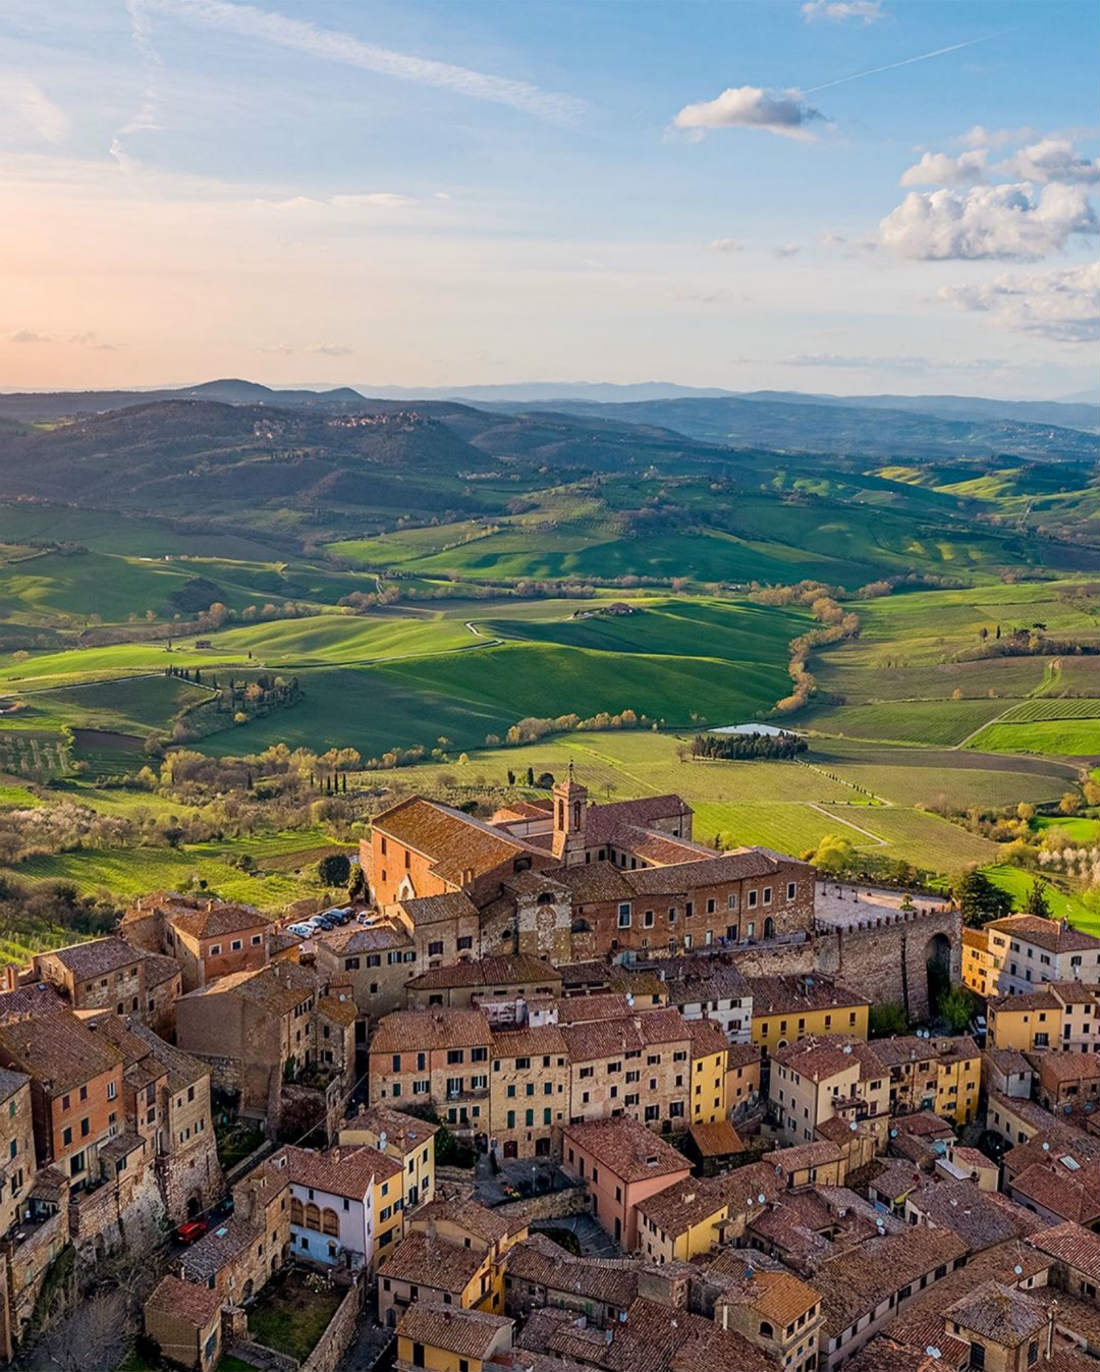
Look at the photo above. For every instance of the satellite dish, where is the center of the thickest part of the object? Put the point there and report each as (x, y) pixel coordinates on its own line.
(761, 1198)
(1018, 1270)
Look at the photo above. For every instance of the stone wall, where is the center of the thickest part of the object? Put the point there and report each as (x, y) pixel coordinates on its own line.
(336, 1340)
(883, 957)
(554, 1205)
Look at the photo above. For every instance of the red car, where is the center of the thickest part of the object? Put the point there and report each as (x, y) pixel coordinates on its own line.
(192, 1230)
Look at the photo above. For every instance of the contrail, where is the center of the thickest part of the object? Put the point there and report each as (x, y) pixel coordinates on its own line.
(892, 66)
(147, 116)
(248, 21)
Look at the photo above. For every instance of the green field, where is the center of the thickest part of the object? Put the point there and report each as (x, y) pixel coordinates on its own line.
(932, 723)
(1063, 904)
(286, 868)
(1062, 737)
(1029, 711)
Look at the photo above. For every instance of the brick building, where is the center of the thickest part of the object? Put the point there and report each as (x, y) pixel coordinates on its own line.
(622, 1164)
(237, 1257)
(208, 938)
(816, 1078)
(76, 1090)
(166, 1100)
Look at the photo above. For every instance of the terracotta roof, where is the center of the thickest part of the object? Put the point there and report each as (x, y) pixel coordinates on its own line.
(820, 1058)
(493, 971)
(217, 1247)
(1008, 1061)
(804, 1155)
(774, 1293)
(159, 969)
(795, 994)
(454, 842)
(855, 1282)
(10, 1082)
(464, 1333)
(424, 1030)
(707, 1037)
(278, 987)
(1070, 1194)
(704, 978)
(1056, 936)
(982, 1218)
(1061, 1067)
(370, 938)
(216, 918)
(1075, 992)
(1073, 1245)
(716, 1140)
(185, 1299)
(434, 1263)
(96, 956)
(541, 1262)
(602, 821)
(743, 1055)
(539, 1041)
(37, 999)
(490, 1226)
(583, 1009)
(425, 910)
(998, 1312)
(653, 845)
(884, 1354)
(627, 1148)
(683, 1205)
(141, 1047)
(975, 938)
(406, 1132)
(59, 1050)
(342, 1171)
(1027, 1000)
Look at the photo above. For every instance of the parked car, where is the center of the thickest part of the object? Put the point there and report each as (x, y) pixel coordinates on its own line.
(300, 930)
(192, 1230)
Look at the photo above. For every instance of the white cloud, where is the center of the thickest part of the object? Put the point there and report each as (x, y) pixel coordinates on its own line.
(1052, 159)
(29, 336)
(1063, 304)
(370, 200)
(725, 245)
(330, 350)
(1007, 222)
(941, 169)
(839, 11)
(786, 250)
(26, 109)
(331, 45)
(978, 136)
(751, 107)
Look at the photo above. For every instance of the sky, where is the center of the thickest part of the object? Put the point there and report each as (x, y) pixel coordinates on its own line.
(816, 195)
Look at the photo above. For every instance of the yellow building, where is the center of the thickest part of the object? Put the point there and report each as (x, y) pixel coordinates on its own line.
(788, 1008)
(978, 972)
(443, 1338)
(958, 1078)
(683, 1221)
(709, 1083)
(1027, 1023)
(408, 1139)
(819, 1078)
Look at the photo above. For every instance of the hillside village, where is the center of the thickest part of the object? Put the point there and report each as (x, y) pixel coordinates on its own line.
(565, 1090)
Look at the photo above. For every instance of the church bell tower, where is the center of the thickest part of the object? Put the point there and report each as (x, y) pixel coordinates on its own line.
(570, 803)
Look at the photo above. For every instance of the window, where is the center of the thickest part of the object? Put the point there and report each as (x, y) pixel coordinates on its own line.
(647, 919)
(624, 915)
(792, 890)
(236, 945)
(767, 895)
(731, 901)
(455, 1055)
(435, 949)
(753, 897)
(112, 1091)
(215, 949)
(465, 943)
(396, 1062)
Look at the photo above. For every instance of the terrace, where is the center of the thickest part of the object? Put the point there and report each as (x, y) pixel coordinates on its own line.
(839, 905)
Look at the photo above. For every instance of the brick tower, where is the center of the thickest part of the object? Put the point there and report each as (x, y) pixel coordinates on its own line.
(570, 803)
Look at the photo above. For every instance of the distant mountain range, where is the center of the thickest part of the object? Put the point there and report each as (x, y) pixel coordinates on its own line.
(1077, 412)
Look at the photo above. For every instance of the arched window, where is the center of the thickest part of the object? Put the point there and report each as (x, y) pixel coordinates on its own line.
(313, 1216)
(580, 926)
(765, 1329)
(561, 814)
(296, 1212)
(330, 1224)
(769, 927)
(545, 898)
